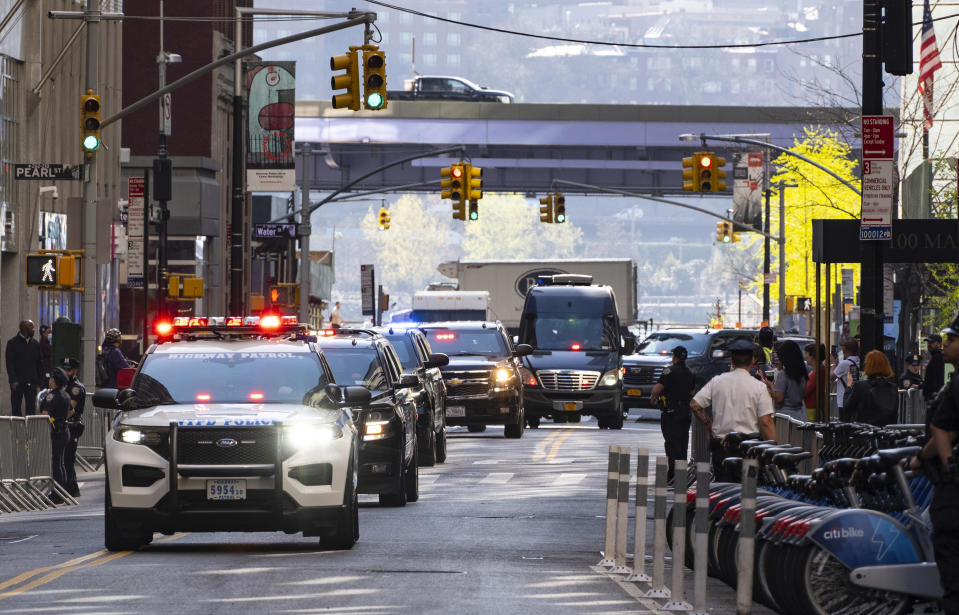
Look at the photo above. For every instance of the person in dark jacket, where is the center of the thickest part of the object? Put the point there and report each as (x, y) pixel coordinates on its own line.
(934, 375)
(876, 399)
(46, 350)
(24, 369)
(675, 389)
(912, 377)
(56, 405)
(113, 357)
(78, 398)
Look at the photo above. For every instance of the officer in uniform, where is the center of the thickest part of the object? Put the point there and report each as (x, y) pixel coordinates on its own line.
(56, 405)
(78, 398)
(944, 511)
(912, 377)
(739, 403)
(672, 394)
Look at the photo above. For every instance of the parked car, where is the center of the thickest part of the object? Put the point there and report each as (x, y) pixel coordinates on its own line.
(416, 357)
(388, 455)
(483, 381)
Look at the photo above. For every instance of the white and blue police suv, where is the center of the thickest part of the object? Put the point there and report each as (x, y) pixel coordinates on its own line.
(231, 425)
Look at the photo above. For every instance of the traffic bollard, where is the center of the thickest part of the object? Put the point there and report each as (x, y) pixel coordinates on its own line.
(678, 593)
(747, 539)
(658, 588)
(639, 531)
(612, 494)
(622, 514)
(700, 556)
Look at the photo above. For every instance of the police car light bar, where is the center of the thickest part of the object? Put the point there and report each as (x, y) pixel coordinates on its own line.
(271, 323)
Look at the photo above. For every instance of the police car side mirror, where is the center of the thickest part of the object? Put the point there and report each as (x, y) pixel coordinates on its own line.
(437, 359)
(719, 354)
(522, 350)
(106, 398)
(407, 381)
(356, 396)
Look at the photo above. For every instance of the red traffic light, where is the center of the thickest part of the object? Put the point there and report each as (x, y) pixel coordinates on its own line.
(456, 171)
(705, 162)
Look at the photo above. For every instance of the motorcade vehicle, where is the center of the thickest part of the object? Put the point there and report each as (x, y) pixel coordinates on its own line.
(229, 425)
(434, 87)
(444, 306)
(416, 357)
(388, 451)
(575, 368)
(483, 380)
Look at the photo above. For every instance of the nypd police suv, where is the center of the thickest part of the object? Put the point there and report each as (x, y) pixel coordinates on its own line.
(231, 425)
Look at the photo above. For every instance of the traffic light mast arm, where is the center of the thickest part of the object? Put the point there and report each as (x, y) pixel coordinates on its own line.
(781, 150)
(328, 198)
(591, 187)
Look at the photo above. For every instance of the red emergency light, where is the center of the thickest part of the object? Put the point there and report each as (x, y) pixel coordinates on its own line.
(576, 347)
(445, 337)
(203, 397)
(256, 396)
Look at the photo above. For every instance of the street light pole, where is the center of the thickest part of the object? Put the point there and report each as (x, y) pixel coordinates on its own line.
(782, 250)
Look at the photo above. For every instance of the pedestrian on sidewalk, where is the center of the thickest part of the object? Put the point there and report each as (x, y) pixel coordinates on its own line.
(111, 359)
(56, 405)
(24, 369)
(739, 403)
(78, 399)
(672, 394)
(809, 398)
(789, 388)
(46, 350)
(934, 376)
(876, 399)
(336, 321)
(849, 366)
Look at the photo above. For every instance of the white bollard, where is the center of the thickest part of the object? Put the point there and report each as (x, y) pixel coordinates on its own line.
(678, 592)
(701, 557)
(659, 589)
(747, 539)
(622, 514)
(612, 492)
(639, 531)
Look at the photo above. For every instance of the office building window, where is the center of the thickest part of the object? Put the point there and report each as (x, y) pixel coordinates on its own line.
(453, 39)
(429, 59)
(453, 59)
(429, 38)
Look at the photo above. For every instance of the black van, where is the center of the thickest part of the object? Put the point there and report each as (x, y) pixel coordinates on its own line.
(576, 365)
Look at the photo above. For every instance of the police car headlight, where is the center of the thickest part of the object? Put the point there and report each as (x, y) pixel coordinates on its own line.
(303, 437)
(610, 378)
(148, 436)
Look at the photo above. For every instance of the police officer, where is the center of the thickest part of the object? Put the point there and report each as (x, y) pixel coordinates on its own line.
(78, 398)
(672, 394)
(912, 377)
(56, 405)
(944, 511)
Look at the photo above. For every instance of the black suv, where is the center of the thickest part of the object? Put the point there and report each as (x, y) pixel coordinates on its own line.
(416, 357)
(707, 357)
(483, 381)
(388, 456)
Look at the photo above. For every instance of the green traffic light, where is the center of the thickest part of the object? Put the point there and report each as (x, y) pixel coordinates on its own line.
(91, 143)
(561, 217)
(726, 238)
(375, 100)
(474, 215)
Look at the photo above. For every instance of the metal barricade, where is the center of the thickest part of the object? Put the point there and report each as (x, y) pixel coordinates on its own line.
(788, 432)
(19, 471)
(912, 407)
(40, 459)
(11, 498)
(92, 443)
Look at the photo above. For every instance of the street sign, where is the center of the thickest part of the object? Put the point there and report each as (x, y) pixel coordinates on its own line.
(41, 269)
(274, 230)
(38, 170)
(877, 177)
(136, 226)
(366, 290)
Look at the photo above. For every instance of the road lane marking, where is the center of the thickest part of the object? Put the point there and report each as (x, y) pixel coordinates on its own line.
(565, 480)
(58, 570)
(554, 449)
(497, 478)
(541, 447)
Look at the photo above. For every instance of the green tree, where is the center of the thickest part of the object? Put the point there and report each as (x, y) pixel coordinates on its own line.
(940, 287)
(509, 228)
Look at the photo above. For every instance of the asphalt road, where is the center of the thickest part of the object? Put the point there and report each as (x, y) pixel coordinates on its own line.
(505, 526)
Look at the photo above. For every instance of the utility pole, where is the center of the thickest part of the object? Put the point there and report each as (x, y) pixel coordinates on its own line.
(766, 258)
(871, 316)
(304, 230)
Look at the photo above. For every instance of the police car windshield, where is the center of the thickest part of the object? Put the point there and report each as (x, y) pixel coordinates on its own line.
(403, 346)
(483, 342)
(229, 377)
(570, 331)
(662, 343)
(356, 366)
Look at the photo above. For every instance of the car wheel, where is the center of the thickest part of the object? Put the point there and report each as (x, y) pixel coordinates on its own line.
(348, 525)
(427, 455)
(575, 418)
(411, 482)
(441, 446)
(533, 422)
(602, 422)
(114, 538)
(615, 422)
(398, 497)
(476, 428)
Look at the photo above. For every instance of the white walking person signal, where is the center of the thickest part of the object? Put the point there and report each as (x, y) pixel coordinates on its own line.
(48, 270)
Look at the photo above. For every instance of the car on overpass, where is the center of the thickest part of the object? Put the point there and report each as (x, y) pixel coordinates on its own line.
(439, 87)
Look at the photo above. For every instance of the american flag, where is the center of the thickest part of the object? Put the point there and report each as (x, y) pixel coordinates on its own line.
(928, 64)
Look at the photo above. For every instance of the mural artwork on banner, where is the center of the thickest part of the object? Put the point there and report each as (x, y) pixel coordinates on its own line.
(271, 96)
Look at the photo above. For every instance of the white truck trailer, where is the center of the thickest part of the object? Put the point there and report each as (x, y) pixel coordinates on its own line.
(508, 280)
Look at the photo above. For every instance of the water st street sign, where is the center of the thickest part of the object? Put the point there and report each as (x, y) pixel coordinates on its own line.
(36, 170)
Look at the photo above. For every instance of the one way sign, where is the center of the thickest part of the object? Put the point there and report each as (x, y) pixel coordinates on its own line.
(47, 171)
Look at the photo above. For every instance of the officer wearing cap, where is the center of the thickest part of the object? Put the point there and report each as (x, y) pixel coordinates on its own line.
(78, 398)
(945, 498)
(56, 405)
(739, 402)
(934, 375)
(672, 394)
(912, 377)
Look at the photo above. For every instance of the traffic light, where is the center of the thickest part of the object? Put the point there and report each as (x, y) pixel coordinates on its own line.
(474, 182)
(559, 208)
(546, 209)
(711, 172)
(733, 233)
(384, 219)
(717, 164)
(724, 232)
(173, 286)
(90, 122)
(349, 80)
(453, 188)
(691, 173)
(474, 210)
(374, 78)
(67, 271)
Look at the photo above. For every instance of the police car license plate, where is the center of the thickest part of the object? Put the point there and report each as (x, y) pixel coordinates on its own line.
(634, 392)
(226, 489)
(455, 410)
